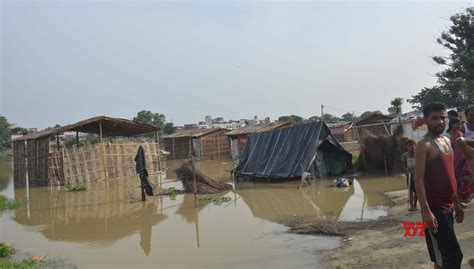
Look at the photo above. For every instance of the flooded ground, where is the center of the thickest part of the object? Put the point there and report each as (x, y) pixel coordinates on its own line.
(101, 228)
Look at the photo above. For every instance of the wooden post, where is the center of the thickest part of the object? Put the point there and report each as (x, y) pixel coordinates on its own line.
(77, 139)
(100, 128)
(386, 129)
(102, 153)
(57, 141)
(142, 188)
(197, 228)
(157, 146)
(218, 148)
(174, 152)
(190, 147)
(201, 155)
(361, 147)
(194, 182)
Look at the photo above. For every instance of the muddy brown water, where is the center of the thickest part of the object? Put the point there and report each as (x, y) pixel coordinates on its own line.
(101, 228)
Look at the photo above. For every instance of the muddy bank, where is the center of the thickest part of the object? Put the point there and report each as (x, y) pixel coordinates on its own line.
(336, 228)
(381, 244)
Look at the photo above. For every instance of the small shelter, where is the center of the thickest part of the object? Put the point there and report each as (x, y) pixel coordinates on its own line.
(43, 158)
(238, 137)
(373, 125)
(203, 144)
(342, 131)
(288, 152)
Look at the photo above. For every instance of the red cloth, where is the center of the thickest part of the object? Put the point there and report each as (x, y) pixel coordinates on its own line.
(440, 181)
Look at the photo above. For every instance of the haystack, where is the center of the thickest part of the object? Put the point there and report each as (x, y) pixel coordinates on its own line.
(381, 151)
(204, 184)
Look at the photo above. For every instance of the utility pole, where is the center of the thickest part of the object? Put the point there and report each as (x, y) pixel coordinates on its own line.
(322, 112)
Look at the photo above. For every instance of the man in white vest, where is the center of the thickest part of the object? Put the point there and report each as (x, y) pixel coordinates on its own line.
(468, 127)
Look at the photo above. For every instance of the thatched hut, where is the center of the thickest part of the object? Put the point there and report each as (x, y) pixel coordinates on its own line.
(342, 131)
(373, 125)
(238, 137)
(203, 144)
(44, 160)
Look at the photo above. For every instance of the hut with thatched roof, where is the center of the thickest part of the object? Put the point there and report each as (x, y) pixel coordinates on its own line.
(373, 125)
(43, 159)
(341, 131)
(203, 144)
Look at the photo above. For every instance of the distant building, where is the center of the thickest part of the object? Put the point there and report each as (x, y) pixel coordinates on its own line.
(191, 126)
(219, 122)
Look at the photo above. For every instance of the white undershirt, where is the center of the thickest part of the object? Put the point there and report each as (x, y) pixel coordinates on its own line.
(468, 133)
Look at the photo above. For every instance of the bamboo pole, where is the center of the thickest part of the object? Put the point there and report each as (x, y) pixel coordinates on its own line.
(57, 141)
(100, 129)
(362, 148)
(194, 182)
(386, 129)
(174, 152)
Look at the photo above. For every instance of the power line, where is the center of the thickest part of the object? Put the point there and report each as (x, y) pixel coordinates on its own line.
(344, 110)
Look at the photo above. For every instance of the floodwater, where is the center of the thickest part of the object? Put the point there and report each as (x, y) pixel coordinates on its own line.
(102, 228)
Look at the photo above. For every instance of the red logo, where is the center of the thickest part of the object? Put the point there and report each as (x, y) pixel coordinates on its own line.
(412, 228)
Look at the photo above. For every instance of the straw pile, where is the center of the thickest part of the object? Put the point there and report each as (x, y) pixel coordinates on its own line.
(204, 184)
(382, 150)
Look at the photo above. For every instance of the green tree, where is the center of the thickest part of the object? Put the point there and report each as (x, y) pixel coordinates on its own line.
(349, 117)
(314, 118)
(4, 132)
(455, 84)
(18, 131)
(169, 128)
(396, 106)
(368, 113)
(148, 117)
(330, 118)
(293, 118)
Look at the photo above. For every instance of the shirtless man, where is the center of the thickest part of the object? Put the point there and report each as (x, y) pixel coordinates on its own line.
(435, 185)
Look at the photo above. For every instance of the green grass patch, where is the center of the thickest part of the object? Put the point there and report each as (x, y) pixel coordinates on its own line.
(172, 190)
(6, 203)
(5, 250)
(76, 188)
(8, 263)
(354, 158)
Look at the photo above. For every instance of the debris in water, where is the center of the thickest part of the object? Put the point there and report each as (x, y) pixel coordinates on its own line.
(204, 184)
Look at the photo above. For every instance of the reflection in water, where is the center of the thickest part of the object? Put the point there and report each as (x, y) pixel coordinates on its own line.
(5, 172)
(99, 216)
(100, 228)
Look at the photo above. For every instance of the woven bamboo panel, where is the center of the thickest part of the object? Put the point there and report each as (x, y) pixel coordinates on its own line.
(179, 148)
(19, 161)
(215, 146)
(37, 152)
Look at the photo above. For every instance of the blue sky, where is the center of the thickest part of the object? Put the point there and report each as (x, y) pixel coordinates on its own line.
(63, 61)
